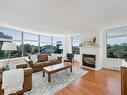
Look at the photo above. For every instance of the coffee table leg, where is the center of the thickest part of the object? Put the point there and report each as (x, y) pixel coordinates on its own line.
(49, 78)
(43, 73)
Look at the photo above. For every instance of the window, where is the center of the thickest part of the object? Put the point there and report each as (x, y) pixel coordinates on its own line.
(57, 44)
(45, 48)
(75, 44)
(58, 39)
(6, 33)
(45, 39)
(117, 43)
(30, 48)
(45, 44)
(13, 54)
(28, 43)
(51, 44)
(18, 52)
(30, 37)
(56, 48)
(10, 35)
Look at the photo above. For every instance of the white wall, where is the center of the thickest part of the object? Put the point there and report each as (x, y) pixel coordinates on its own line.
(92, 50)
(67, 45)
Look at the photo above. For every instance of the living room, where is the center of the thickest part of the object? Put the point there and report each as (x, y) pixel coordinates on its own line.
(63, 47)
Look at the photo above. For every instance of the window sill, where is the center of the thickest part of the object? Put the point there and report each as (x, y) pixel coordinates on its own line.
(114, 59)
(12, 58)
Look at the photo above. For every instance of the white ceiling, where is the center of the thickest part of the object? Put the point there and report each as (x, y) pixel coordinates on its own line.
(63, 17)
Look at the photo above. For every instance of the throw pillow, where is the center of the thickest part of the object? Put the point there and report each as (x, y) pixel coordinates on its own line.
(33, 58)
(55, 56)
(52, 57)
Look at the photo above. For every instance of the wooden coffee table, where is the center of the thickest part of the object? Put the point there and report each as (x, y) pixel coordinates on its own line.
(56, 68)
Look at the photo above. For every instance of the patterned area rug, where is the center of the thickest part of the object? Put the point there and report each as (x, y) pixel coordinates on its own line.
(41, 86)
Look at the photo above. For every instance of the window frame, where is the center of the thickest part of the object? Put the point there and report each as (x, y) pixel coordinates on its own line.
(106, 41)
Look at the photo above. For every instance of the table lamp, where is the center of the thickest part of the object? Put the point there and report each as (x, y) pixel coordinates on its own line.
(8, 46)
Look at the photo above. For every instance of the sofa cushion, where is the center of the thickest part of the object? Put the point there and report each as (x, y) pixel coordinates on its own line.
(39, 64)
(52, 57)
(55, 61)
(47, 63)
(42, 57)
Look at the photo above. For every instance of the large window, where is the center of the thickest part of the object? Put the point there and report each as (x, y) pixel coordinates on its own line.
(45, 48)
(6, 33)
(45, 39)
(117, 43)
(18, 52)
(58, 45)
(10, 35)
(28, 43)
(75, 44)
(30, 36)
(45, 44)
(30, 48)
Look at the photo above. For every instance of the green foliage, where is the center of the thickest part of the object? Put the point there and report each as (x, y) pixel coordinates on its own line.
(117, 51)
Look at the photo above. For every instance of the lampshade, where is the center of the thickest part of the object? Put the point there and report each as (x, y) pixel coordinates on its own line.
(8, 46)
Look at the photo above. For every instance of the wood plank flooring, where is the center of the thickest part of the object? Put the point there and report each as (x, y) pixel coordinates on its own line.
(103, 82)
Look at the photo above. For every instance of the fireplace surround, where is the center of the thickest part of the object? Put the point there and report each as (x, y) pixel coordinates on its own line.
(89, 60)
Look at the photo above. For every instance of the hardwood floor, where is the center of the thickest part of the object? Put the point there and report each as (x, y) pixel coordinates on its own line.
(103, 82)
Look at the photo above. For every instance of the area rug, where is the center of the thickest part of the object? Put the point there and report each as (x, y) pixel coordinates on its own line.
(41, 86)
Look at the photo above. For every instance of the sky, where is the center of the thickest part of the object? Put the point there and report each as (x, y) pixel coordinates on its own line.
(117, 36)
(10, 32)
(17, 35)
(113, 41)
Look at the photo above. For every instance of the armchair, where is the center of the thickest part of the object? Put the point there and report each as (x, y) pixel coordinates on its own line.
(69, 58)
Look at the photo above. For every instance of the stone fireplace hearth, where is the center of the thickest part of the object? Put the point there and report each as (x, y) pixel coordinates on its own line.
(89, 60)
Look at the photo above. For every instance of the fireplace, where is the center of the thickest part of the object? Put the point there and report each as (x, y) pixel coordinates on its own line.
(88, 60)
